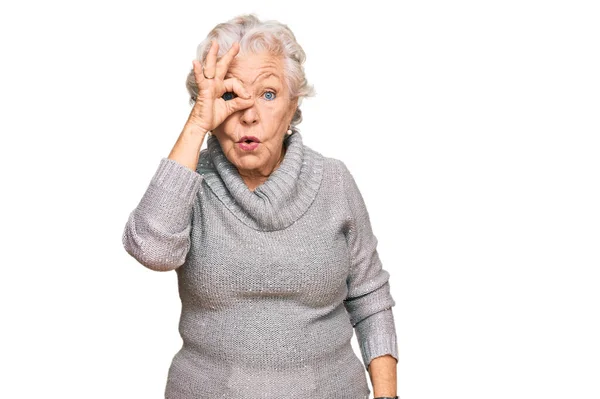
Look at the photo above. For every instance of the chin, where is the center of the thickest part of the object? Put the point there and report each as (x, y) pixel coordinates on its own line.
(248, 162)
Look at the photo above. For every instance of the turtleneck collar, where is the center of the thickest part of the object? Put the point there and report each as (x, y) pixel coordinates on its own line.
(278, 202)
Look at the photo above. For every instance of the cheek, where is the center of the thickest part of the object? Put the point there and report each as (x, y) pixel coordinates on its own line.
(278, 112)
(230, 122)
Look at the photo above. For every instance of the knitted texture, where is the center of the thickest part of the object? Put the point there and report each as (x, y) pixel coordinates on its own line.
(273, 282)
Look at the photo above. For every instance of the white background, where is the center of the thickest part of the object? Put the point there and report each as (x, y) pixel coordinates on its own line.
(471, 127)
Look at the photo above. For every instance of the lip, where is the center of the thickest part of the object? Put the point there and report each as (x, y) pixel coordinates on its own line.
(253, 138)
(248, 146)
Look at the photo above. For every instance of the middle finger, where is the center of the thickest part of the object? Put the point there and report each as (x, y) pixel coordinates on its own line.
(223, 64)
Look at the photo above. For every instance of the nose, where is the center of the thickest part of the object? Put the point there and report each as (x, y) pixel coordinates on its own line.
(250, 116)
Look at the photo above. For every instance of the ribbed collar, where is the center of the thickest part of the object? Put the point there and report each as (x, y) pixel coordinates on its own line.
(278, 202)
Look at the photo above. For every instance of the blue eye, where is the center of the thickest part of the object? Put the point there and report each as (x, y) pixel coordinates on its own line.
(228, 96)
(269, 95)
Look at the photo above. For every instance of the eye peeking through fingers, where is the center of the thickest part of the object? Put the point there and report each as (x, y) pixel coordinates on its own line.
(228, 96)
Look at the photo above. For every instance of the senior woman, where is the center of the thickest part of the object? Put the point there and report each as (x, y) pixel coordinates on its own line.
(275, 256)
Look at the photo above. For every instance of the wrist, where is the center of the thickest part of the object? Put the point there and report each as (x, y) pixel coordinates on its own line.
(194, 129)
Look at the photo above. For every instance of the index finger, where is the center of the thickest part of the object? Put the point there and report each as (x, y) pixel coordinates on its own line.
(223, 64)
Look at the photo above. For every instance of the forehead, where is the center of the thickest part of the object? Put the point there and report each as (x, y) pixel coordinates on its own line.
(250, 67)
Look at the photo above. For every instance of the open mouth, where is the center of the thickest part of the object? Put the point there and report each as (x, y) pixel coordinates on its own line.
(248, 143)
(249, 140)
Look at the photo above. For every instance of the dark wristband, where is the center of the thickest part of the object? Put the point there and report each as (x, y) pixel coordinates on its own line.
(386, 397)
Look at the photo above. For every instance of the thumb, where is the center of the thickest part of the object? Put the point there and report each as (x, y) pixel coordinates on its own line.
(238, 104)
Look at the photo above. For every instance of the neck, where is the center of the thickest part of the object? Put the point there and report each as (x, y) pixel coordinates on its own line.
(254, 178)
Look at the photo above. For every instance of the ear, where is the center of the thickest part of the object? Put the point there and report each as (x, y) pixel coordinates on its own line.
(294, 103)
(293, 107)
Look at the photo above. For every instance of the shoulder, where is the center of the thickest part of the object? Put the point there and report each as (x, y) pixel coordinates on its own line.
(337, 180)
(332, 167)
(336, 174)
(336, 170)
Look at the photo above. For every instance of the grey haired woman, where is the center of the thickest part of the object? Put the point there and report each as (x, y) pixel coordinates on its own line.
(271, 241)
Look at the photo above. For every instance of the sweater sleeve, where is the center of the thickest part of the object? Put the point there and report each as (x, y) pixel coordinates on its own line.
(157, 232)
(369, 302)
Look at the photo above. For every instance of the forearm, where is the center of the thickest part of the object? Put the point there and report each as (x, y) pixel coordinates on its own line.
(382, 370)
(187, 148)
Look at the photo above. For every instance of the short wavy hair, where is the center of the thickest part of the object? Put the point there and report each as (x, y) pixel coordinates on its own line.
(255, 36)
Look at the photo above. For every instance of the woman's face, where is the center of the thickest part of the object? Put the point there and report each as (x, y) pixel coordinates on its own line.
(267, 119)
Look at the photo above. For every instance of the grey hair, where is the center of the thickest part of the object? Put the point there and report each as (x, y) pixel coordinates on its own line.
(255, 36)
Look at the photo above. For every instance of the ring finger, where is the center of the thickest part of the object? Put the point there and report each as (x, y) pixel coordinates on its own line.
(209, 66)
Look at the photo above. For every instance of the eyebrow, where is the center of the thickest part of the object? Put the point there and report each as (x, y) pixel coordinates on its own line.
(262, 76)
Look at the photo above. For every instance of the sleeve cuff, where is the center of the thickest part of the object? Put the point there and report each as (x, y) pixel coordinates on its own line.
(376, 336)
(176, 178)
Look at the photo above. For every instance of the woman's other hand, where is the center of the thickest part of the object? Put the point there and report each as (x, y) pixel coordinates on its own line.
(210, 109)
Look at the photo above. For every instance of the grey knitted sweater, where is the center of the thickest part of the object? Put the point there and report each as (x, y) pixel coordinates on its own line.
(272, 282)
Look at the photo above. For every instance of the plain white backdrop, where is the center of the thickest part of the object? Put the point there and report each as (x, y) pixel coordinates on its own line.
(471, 127)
